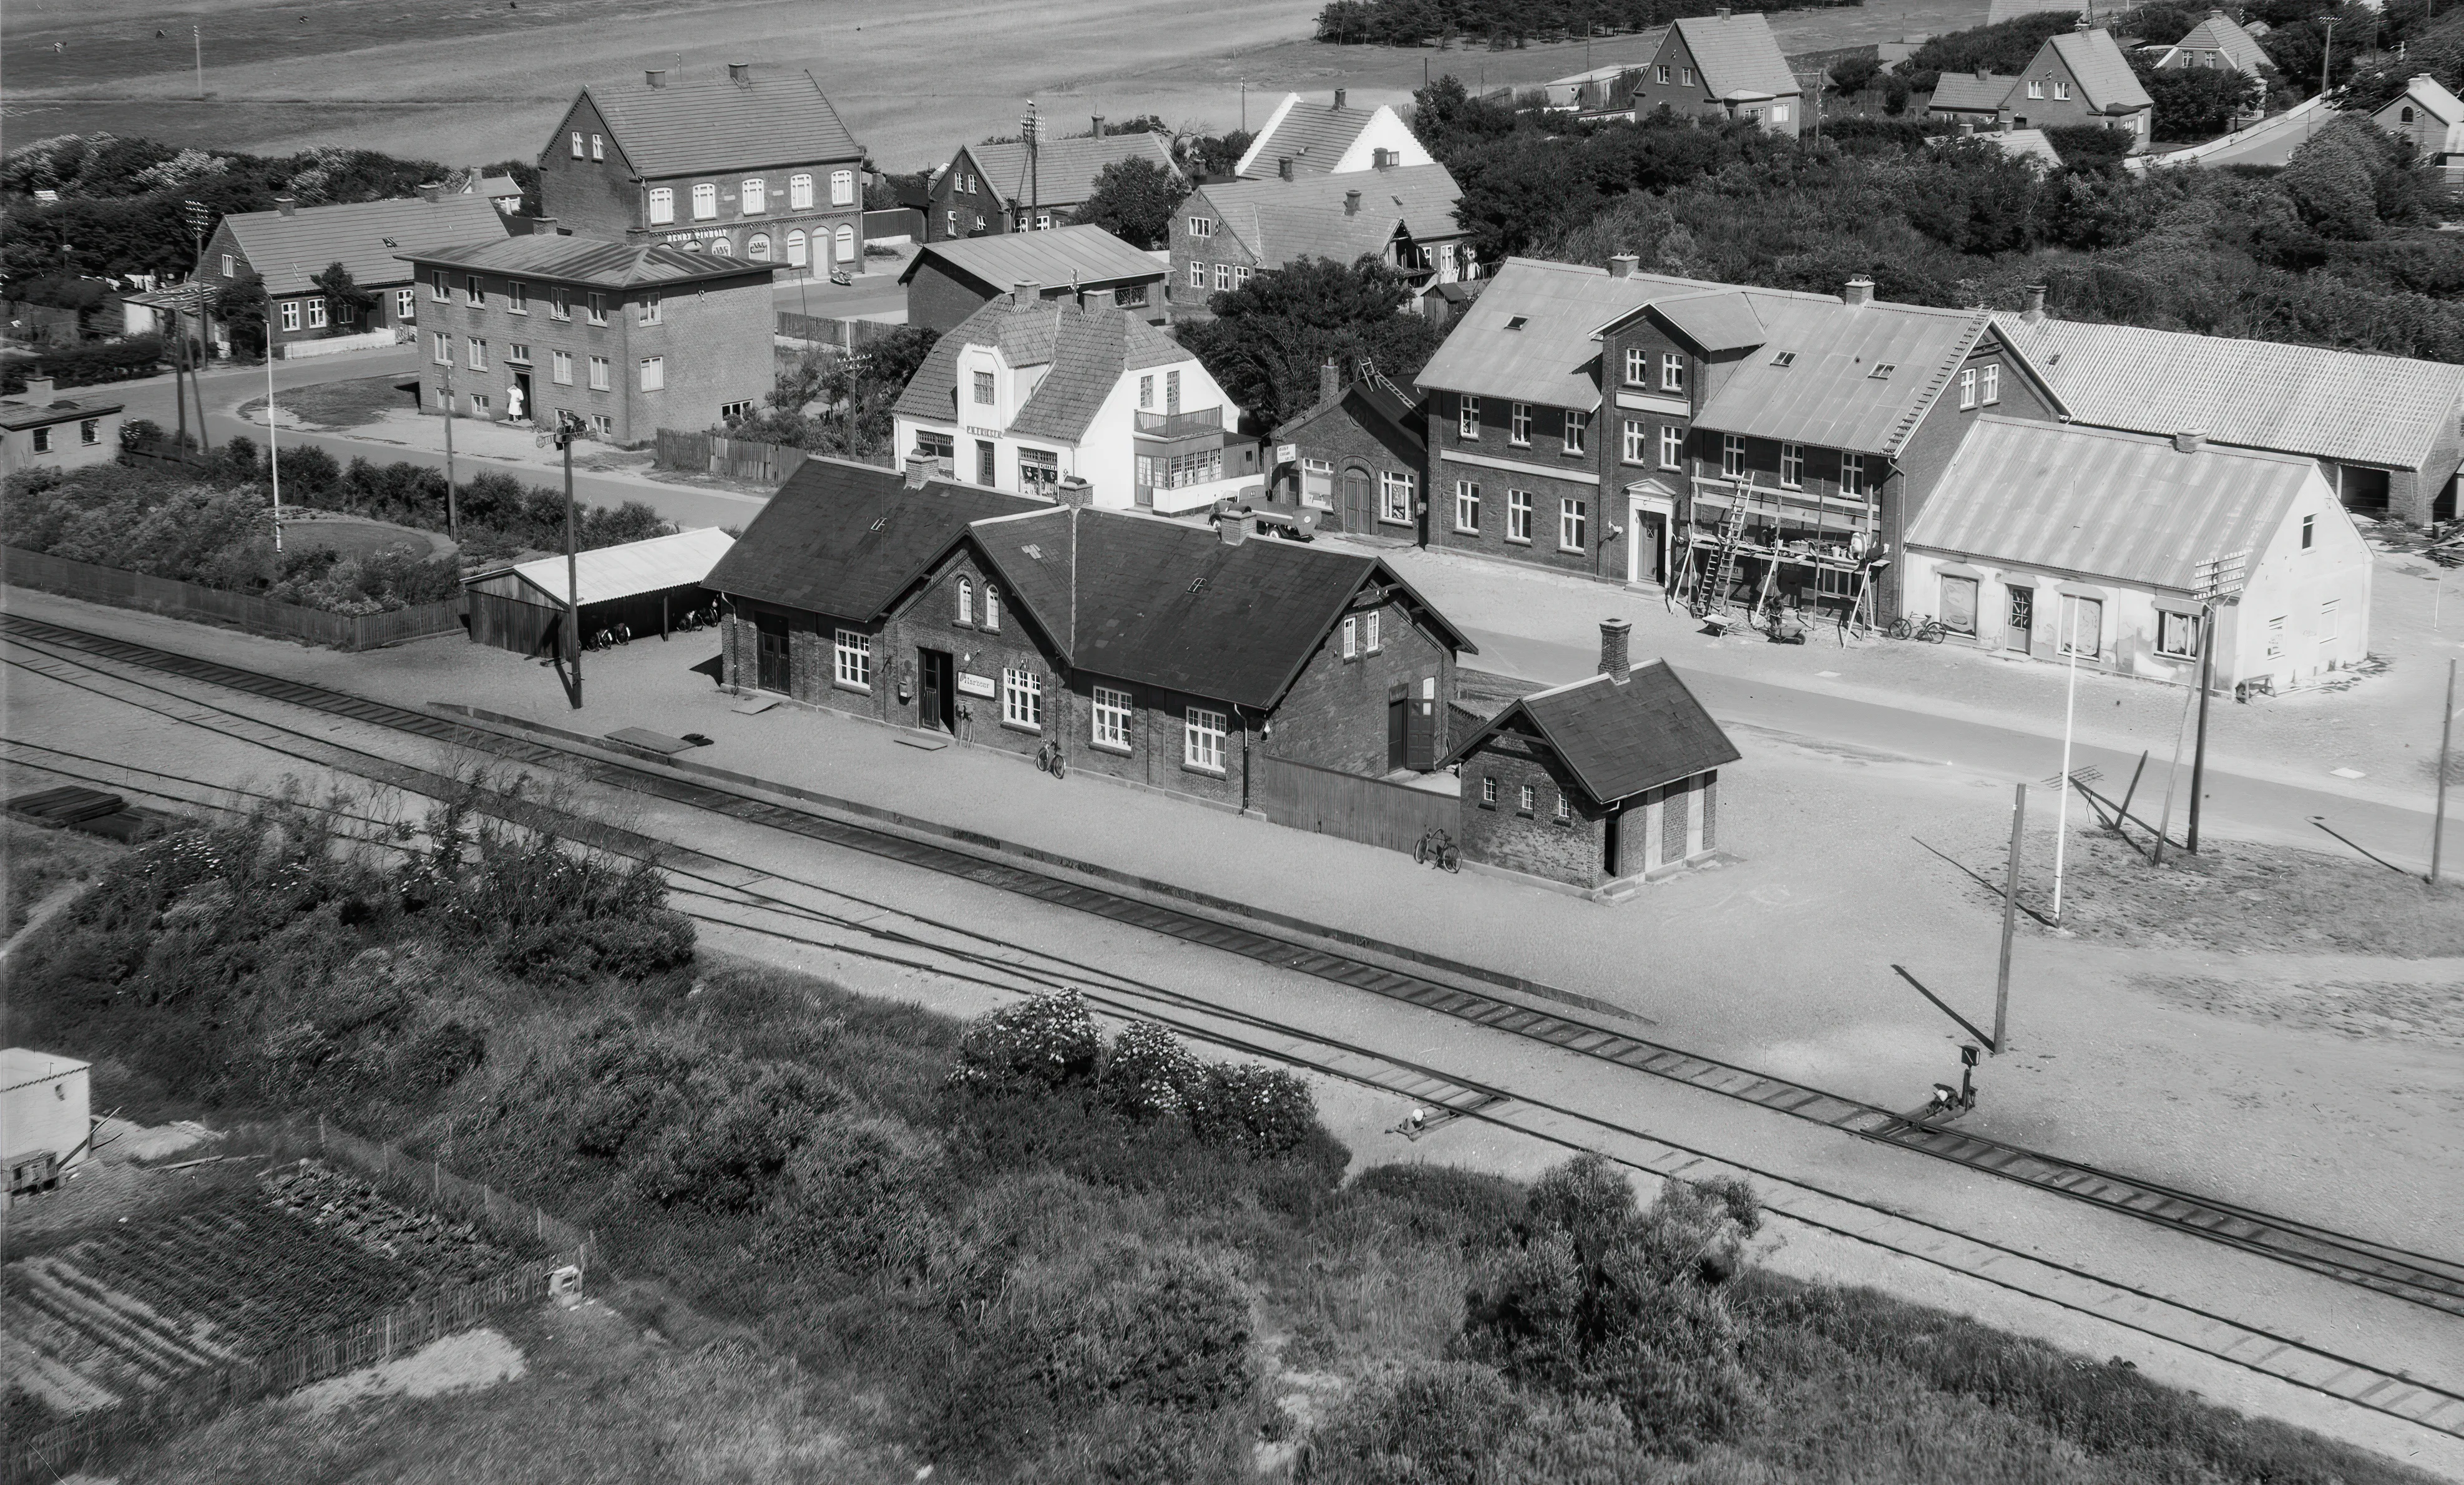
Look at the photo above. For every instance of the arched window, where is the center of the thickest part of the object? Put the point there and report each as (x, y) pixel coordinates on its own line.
(966, 601)
(842, 187)
(796, 249)
(846, 245)
(720, 246)
(800, 192)
(759, 249)
(992, 606)
(2407, 116)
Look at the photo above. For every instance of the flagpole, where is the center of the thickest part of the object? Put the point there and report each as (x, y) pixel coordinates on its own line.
(2070, 712)
(273, 443)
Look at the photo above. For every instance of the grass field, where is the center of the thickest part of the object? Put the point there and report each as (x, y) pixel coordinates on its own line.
(34, 862)
(372, 73)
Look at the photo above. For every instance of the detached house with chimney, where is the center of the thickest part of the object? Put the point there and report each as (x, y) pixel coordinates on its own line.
(2432, 119)
(2218, 42)
(288, 246)
(1721, 66)
(753, 165)
(1329, 139)
(1028, 390)
(1400, 215)
(1009, 187)
(2077, 77)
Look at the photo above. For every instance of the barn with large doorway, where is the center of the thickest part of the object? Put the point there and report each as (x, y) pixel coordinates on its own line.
(652, 588)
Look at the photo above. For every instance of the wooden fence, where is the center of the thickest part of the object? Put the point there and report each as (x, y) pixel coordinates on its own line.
(843, 335)
(239, 610)
(186, 1402)
(1355, 808)
(732, 458)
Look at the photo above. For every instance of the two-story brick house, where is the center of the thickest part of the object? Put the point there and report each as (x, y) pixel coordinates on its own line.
(1153, 651)
(1027, 391)
(753, 165)
(628, 336)
(289, 246)
(1721, 66)
(1400, 215)
(1005, 187)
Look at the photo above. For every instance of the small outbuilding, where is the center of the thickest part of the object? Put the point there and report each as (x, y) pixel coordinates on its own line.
(45, 1119)
(1357, 460)
(948, 280)
(651, 587)
(1609, 780)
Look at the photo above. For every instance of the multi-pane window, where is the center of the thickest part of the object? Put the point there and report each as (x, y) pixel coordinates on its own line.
(229, 267)
(800, 192)
(595, 308)
(967, 591)
(1202, 226)
(1039, 470)
(1518, 425)
(600, 373)
(560, 303)
(90, 433)
(443, 349)
(1966, 388)
(473, 293)
(654, 373)
(1524, 798)
(1993, 391)
(645, 308)
(1197, 272)
(1352, 636)
(1172, 391)
(603, 426)
(1146, 391)
(705, 200)
(1023, 697)
(2062, 90)
(1565, 809)
(1672, 371)
(1659, 74)
(1638, 366)
(1468, 417)
(438, 287)
(598, 147)
(842, 187)
(577, 143)
(1466, 505)
(1635, 447)
(561, 367)
(1518, 516)
(1111, 719)
(1732, 455)
(1317, 483)
(2309, 530)
(1395, 493)
(475, 353)
(2177, 635)
(1369, 641)
(1578, 424)
(291, 313)
(1851, 474)
(1791, 466)
(663, 206)
(1573, 517)
(1488, 789)
(518, 354)
(2036, 88)
(1223, 277)
(1672, 445)
(1202, 739)
(405, 303)
(983, 382)
(517, 299)
(753, 197)
(316, 313)
(42, 441)
(852, 653)
(479, 403)
(992, 607)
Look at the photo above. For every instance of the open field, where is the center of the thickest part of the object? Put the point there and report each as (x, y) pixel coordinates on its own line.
(373, 73)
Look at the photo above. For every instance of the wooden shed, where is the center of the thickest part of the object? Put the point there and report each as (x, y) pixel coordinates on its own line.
(649, 586)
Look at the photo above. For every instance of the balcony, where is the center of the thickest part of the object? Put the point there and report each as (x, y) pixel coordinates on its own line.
(1179, 425)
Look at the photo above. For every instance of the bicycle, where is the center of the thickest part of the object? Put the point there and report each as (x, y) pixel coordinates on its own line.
(1438, 849)
(1050, 760)
(1924, 629)
(624, 633)
(605, 639)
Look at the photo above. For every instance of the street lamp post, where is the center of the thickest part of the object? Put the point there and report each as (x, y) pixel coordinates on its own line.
(568, 427)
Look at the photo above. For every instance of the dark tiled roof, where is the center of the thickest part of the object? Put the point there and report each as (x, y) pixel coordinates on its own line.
(1970, 93)
(1053, 259)
(1619, 740)
(1283, 221)
(1088, 347)
(588, 260)
(15, 414)
(366, 237)
(1714, 322)
(846, 540)
(2105, 76)
(1378, 406)
(1065, 170)
(1738, 56)
(712, 124)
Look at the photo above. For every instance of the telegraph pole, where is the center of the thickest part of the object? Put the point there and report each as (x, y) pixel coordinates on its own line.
(2446, 738)
(568, 427)
(2010, 914)
(272, 449)
(197, 35)
(2219, 581)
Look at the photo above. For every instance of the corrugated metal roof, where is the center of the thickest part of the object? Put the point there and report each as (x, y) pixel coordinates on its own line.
(2389, 411)
(1970, 93)
(1065, 170)
(1737, 54)
(1618, 740)
(20, 1067)
(588, 260)
(1829, 394)
(1549, 358)
(1065, 255)
(1282, 221)
(1314, 135)
(2219, 33)
(1715, 322)
(712, 124)
(1089, 348)
(2124, 507)
(618, 571)
(364, 236)
(2105, 76)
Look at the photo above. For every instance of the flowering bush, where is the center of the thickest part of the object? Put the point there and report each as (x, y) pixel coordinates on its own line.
(1264, 1110)
(1048, 1041)
(1150, 1074)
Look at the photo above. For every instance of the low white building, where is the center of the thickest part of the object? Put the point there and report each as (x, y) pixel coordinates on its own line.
(45, 1109)
(1028, 389)
(2041, 537)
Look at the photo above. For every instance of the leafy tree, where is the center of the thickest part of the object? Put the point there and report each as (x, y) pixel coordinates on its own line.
(2332, 179)
(855, 393)
(1447, 119)
(1134, 200)
(2297, 48)
(2197, 102)
(1268, 338)
(1853, 75)
(239, 307)
(1212, 157)
(343, 296)
(2005, 48)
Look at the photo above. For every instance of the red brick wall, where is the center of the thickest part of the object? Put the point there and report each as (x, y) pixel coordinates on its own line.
(980, 211)
(590, 198)
(1219, 246)
(1541, 470)
(1927, 453)
(1503, 834)
(1334, 715)
(1338, 438)
(941, 298)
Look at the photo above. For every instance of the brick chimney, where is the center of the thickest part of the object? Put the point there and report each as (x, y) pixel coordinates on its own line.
(1074, 489)
(654, 77)
(287, 205)
(1614, 663)
(1859, 292)
(1983, 72)
(1351, 203)
(1329, 380)
(740, 71)
(1026, 292)
(38, 390)
(918, 469)
(1338, 98)
(1099, 126)
(1284, 167)
(2189, 441)
(1232, 524)
(1623, 264)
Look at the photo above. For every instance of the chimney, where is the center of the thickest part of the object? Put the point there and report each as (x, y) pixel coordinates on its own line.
(2035, 313)
(1983, 73)
(544, 226)
(1329, 380)
(656, 76)
(1623, 264)
(1233, 526)
(1351, 203)
(1338, 98)
(1026, 292)
(38, 390)
(1614, 661)
(918, 467)
(1859, 291)
(740, 71)
(1074, 489)
(1721, 13)
(2189, 442)
(1283, 166)
(1968, 126)
(1099, 126)
(287, 205)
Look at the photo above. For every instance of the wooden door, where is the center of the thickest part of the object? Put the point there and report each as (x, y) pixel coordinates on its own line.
(934, 705)
(1357, 513)
(2018, 629)
(1420, 732)
(771, 670)
(1399, 732)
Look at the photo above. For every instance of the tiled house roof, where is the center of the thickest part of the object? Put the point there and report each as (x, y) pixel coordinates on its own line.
(2389, 411)
(846, 540)
(712, 124)
(366, 237)
(2127, 507)
(2220, 33)
(1065, 170)
(1970, 93)
(1054, 259)
(16, 414)
(1088, 347)
(588, 260)
(1282, 221)
(1546, 358)
(1616, 740)
(1312, 136)
(2105, 76)
(1738, 56)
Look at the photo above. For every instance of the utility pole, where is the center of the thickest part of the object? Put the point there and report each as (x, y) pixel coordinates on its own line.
(452, 509)
(2219, 581)
(2446, 738)
(2010, 915)
(197, 35)
(1033, 130)
(568, 427)
(199, 216)
(2070, 713)
(273, 451)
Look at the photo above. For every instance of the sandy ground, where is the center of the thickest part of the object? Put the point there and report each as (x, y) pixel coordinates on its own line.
(472, 82)
(464, 1362)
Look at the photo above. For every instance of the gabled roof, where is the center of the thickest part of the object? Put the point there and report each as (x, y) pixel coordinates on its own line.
(1055, 259)
(2219, 33)
(1714, 322)
(2428, 93)
(2389, 411)
(2025, 145)
(20, 1067)
(846, 540)
(1282, 221)
(1314, 135)
(1970, 93)
(711, 124)
(551, 258)
(1164, 603)
(623, 571)
(1616, 740)
(17, 413)
(2125, 506)
(1737, 54)
(1065, 170)
(1545, 358)
(364, 236)
(1088, 347)
(2103, 75)
(497, 187)
(1379, 405)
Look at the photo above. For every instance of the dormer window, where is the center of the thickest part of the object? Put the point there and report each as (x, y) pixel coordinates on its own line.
(983, 382)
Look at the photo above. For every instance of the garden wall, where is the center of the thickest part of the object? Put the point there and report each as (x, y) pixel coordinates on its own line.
(238, 610)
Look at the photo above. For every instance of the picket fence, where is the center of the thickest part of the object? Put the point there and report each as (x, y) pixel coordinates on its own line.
(217, 606)
(186, 1402)
(731, 458)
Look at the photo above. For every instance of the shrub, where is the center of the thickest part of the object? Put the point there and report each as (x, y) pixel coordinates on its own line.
(860, 1194)
(440, 1055)
(1264, 1110)
(1045, 1042)
(1150, 1075)
(1433, 1424)
(740, 1127)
